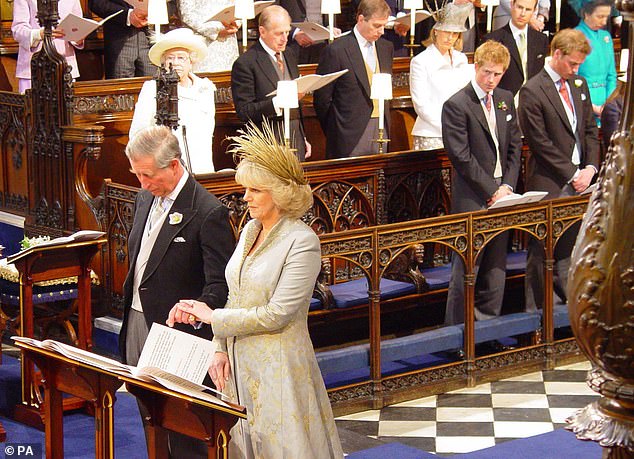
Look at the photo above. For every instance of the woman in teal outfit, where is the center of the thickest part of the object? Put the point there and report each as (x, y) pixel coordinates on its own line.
(599, 68)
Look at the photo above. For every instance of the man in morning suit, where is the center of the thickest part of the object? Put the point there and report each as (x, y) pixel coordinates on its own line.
(348, 117)
(178, 247)
(556, 116)
(528, 47)
(255, 75)
(483, 142)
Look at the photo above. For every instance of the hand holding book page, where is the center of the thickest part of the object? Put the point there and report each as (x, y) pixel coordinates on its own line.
(514, 199)
(228, 14)
(316, 32)
(310, 83)
(76, 28)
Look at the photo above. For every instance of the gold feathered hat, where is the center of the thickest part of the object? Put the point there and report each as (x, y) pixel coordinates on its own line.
(261, 148)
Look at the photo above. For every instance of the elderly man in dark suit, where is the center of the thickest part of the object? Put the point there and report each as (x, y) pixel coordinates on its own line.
(126, 39)
(347, 115)
(178, 248)
(556, 116)
(255, 75)
(482, 139)
(528, 47)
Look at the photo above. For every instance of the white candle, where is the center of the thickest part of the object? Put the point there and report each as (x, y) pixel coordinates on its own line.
(244, 33)
(287, 123)
(624, 61)
(413, 14)
(489, 17)
(557, 14)
(244, 10)
(381, 113)
(331, 25)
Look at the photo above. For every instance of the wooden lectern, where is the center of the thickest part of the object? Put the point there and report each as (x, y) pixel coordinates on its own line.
(44, 263)
(168, 409)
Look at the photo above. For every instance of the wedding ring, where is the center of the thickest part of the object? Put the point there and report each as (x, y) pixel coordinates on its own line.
(192, 318)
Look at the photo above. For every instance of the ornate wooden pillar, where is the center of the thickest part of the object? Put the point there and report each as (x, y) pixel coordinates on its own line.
(50, 159)
(601, 289)
(167, 97)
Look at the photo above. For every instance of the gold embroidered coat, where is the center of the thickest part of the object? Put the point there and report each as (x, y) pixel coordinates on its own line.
(264, 330)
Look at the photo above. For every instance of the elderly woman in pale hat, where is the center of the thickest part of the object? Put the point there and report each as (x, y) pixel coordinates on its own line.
(181, 49)
(437, 73)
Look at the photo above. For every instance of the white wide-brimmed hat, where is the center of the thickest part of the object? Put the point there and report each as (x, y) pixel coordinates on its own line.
(178, 38)
(452, 17)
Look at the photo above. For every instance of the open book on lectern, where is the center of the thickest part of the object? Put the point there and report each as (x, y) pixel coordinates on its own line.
(172, 358)
(514, 199)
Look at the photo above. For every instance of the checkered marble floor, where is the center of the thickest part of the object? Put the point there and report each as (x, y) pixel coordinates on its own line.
(474, 418)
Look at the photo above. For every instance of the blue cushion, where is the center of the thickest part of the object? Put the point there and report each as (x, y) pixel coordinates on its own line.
(10, 293)
(440, 339)
(355, 292)
(315, 304)
(560, 316)
(516, 263)
(344, 359)
(438, 278)
(507, 325)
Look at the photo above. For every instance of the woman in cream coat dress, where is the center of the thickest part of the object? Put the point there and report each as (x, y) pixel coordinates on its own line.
(196, 106)
(438, 73)
(264, 351)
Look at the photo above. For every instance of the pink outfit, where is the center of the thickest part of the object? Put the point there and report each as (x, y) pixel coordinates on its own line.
(24, 22)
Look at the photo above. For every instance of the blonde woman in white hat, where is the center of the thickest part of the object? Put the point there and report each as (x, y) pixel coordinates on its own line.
(196, 108)
(438, 73)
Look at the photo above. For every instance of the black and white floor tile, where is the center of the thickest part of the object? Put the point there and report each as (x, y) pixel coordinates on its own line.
(474, 418)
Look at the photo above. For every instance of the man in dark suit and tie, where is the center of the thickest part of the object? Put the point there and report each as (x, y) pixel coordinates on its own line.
(528, 47)
(178, 248)
(482, 139)
(555, 113)
(348, 117)
(255, 75)
(126, 39)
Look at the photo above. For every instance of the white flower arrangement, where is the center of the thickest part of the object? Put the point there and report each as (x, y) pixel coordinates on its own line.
(175, 218)
(28, 242)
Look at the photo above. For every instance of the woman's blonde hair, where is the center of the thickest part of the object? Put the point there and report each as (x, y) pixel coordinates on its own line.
(265, 164)
(432, 40)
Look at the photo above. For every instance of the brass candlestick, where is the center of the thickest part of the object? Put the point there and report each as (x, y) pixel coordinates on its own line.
(381, 141)
(411, 45)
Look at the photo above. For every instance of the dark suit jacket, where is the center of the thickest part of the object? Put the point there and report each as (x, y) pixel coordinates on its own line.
(344, 107)
(470, 147)
(252, 78)
(537, 50)
(115, 31)
(549, 134)
(193, 268)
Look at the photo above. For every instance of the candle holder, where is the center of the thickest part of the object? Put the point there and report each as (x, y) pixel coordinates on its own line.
(412, 5)
(331, 7)
(381, 91)
(244, 10)
(287, 99)
(489, 4)
(157, 15)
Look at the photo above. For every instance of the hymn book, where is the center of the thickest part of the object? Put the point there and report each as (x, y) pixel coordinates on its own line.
(316, 32)
(228, 14)
(406, 18)
(312, 82)
(514, 199)
(172, 358)
(76, 28)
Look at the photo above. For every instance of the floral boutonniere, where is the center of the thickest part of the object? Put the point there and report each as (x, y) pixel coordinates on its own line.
(502, 106)
(175, 218)
(578, 82)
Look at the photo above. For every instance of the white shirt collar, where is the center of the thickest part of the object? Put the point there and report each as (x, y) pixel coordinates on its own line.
(170, 198)
(360, 39)
(550, 71)
(267, 49)
(516, 31)
(479, 91)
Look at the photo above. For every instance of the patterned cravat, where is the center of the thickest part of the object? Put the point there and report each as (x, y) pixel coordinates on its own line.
(370, 58)
(564, 94)
(157, 212)
(487, 102)
(280, 61)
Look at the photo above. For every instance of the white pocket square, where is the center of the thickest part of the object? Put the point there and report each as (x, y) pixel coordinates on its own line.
(583, 97)
(509, 117)
(179, 239)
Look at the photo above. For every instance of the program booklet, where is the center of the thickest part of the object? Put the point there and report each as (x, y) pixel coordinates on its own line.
(312, 82)
(172, 358)
(515, 199)
(77, 28)
(228, 14)
(316, 32)
(421, 15)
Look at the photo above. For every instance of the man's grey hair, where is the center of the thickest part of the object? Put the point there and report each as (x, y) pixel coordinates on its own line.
(158, 142)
